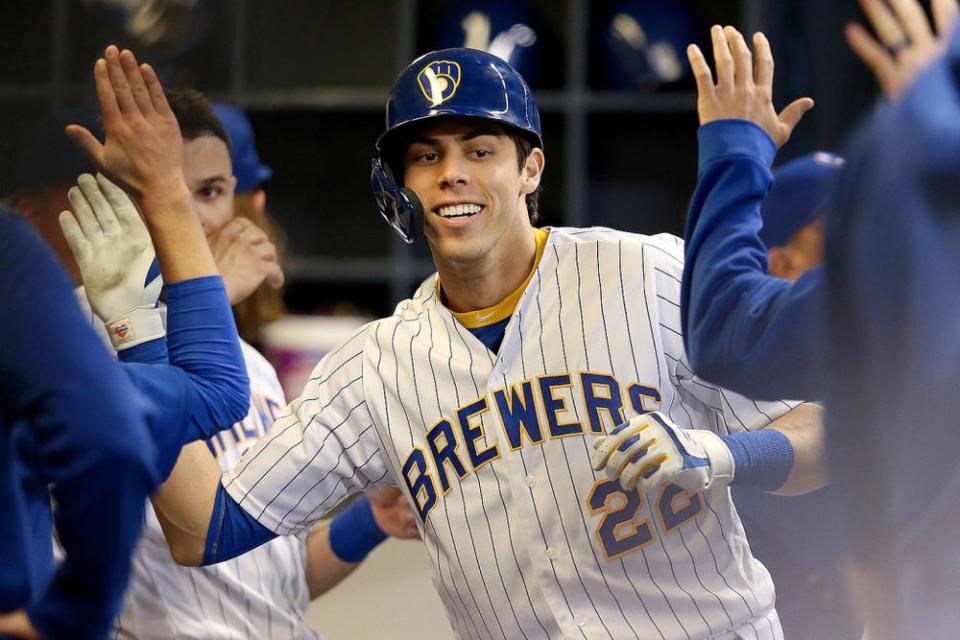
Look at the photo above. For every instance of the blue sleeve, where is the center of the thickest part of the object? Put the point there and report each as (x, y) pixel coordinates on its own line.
(232, 531)
(89, 434)
(205, 388)
(893, 399)
(744, 329)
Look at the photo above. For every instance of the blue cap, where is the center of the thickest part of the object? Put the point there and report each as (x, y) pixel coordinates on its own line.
(247, 168)
(800, 189)
(461, 82)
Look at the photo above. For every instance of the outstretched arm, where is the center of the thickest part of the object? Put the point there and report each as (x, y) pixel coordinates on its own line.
(206, 389)
(741, 326)
(785, 458)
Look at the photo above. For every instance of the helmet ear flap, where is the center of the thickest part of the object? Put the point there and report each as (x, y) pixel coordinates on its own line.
(400, 207)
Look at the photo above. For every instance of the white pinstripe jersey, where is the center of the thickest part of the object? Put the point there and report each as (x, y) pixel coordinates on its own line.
(526, 540)
(261, 594)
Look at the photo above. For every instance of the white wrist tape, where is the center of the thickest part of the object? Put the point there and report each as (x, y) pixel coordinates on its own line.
(722, 466)
(137, 326)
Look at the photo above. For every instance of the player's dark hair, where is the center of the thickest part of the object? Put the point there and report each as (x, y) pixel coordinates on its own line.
(195, 115)
(524, 147)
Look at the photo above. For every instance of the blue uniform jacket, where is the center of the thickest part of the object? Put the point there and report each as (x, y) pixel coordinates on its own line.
(74, 427)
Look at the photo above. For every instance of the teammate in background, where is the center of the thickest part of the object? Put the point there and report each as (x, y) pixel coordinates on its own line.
(482, 394)
(795, 537)
(263, 593)
(894, 339)
(265, 304)
(70, 421)
(890, 308)
(739, 323)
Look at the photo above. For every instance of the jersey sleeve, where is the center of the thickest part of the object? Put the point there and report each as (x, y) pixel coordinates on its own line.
(741, 324)
(700, 404)
(324, 448)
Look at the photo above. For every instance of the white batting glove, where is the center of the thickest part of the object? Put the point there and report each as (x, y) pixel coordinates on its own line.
(649, 450)
(114, 253)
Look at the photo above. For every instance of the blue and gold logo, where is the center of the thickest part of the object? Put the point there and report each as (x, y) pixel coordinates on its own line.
(439, 81)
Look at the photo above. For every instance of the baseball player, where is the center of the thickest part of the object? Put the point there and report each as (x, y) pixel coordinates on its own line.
(177, 403)
(265, 592)
(738, 321)
(482, 395)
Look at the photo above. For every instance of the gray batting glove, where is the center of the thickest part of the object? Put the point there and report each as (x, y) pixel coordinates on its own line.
(114, 253)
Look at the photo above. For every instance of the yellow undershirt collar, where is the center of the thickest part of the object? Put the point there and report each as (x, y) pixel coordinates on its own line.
(503, 309)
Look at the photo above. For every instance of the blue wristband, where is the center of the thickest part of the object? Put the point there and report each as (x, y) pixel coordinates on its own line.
(762, 459)
(354, 532)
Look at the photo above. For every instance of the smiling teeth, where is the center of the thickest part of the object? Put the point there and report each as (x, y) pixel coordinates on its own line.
(457, 210)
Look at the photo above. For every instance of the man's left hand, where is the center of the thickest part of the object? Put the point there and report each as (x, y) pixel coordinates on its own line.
(393, 513)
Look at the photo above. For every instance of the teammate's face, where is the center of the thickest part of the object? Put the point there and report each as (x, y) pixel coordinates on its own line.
(466, 173)
(209, 174)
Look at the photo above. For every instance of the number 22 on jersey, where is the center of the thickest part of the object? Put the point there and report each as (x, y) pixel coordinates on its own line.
(621, 529)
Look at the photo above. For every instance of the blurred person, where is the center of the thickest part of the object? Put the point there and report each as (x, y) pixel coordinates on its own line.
(72, 429)
(888, 342)
(795, 537)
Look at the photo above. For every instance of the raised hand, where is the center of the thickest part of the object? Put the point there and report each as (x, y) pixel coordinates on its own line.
(744, 87)
(905, 43)
(245, 258)
(143, 149)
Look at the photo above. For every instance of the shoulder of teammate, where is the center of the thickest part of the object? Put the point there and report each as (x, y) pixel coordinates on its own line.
(52, 359)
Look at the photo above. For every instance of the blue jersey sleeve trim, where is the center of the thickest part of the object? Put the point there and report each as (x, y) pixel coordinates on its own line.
(232, 531)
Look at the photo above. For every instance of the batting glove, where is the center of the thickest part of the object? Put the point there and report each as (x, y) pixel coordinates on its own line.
(649, 450)
(114, 253)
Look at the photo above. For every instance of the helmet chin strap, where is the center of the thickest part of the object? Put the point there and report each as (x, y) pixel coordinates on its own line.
(400, 207)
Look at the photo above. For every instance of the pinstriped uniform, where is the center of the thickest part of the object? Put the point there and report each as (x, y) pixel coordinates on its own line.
(526, 540)
(261, 594)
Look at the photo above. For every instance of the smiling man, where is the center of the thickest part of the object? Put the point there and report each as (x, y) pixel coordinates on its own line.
(484, 394)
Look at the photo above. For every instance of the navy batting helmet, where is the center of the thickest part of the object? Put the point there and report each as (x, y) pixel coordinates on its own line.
(449, 82)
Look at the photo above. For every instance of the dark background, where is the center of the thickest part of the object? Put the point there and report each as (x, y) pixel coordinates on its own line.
(314, 75)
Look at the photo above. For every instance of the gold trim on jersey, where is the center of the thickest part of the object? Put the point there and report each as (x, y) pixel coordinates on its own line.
(505, 308)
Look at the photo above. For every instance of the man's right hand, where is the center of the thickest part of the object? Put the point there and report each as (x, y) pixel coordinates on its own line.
(744, 88)
(245, 258)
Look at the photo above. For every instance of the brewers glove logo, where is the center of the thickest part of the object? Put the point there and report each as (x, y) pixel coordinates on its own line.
(439, 81)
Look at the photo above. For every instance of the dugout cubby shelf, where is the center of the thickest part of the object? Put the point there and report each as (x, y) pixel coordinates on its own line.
(313, 77)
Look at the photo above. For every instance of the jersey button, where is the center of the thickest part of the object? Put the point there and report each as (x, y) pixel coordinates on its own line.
(582, 621)
(552, 553)
(531, 481)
